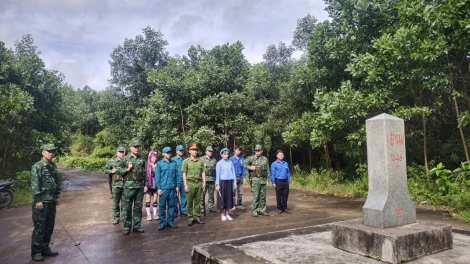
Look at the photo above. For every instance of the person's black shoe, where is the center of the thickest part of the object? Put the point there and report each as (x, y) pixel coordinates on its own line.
(38, 257)
(190, 223)
(172, 225)
(212, 210)
(185, 214)
(161, 227)
(175, 216)
(288, 211)
(279, 211)
(49, 252)
(127, 231)
(138, 229)
(199, 222)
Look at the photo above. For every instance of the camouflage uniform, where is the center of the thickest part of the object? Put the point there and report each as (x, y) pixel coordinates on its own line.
(134, 182)
(258, 178)
(46, 189)
(117, 184)
(193, 170)
(210, 182)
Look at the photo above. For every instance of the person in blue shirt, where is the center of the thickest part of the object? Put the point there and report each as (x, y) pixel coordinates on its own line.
(179, 158)
(280, 178)
(240, 174)
(225, 177)
(167, 181)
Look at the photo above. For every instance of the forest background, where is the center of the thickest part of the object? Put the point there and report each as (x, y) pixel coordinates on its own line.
(405, 58)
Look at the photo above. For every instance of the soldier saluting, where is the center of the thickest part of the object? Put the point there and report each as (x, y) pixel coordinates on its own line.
(46, 193)
(132, 168)
(258, 167)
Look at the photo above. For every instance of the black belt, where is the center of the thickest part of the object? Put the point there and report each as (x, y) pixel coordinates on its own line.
(283, 180)
(238, 175)
(195, 180)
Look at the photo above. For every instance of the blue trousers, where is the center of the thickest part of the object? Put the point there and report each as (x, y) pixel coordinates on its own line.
(183, 200)
(166, 205)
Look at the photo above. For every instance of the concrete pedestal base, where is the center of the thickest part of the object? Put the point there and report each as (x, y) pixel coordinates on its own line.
(395, 244)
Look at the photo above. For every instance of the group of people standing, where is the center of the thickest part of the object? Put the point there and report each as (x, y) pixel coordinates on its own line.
(178, 185)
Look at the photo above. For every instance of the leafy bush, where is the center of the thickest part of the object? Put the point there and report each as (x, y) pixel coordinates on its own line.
(84, 163)
(106, 152)
(82, 145)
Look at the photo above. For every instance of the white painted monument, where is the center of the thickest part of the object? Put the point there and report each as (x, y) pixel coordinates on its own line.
(388, 202)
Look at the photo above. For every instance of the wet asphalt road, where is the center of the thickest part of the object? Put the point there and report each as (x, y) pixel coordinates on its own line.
(84, 233)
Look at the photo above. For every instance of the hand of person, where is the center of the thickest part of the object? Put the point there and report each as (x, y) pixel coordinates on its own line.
(186, 188)
(177, 190)
(129, 166)
(244, 180)
(39, 206)
(217, 187)
(113, 170)
(253, 168)
(274, 185)
(159, 192)
(57, 201)
(235, 186)
(204, 186)
(145, 189)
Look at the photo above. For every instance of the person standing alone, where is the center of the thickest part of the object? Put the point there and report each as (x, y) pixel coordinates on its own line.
(280, 178)
(46, 195)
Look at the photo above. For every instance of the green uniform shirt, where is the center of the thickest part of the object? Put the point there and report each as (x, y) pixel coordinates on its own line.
(193, 169)
(261, 164)
(45, 182)
(209, 163)
(117, 179)
(137, 176)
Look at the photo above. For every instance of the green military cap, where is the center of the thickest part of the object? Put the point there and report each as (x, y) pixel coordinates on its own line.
(49, 147)
(120, 149)
(209, 148)
(258, 147)
(134, 143)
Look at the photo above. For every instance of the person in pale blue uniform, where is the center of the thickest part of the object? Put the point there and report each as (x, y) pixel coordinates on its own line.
(225, 177)
(167, 181)
(179, 158)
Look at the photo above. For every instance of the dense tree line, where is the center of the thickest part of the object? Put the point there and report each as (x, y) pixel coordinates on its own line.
(406, 58)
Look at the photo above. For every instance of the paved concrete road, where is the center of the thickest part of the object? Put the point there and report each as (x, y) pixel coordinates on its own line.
(84, 233)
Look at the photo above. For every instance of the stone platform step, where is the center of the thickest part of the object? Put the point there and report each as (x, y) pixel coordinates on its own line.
(308, 245)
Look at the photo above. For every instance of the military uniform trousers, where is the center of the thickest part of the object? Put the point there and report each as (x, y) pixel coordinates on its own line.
(194, 200)
(132, 197)
(183, 203)
(43, 227)
(210, 188)
(239, 191)
(166, 206)
(259, 196)
(117, 204)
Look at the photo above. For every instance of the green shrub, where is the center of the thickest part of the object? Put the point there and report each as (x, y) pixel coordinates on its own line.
(82, 145)
(106, 152)
(84, 163)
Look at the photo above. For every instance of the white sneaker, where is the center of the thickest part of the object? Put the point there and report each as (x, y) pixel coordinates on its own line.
(223, 218)
(156, 217)
(228, 217)
(149, 217)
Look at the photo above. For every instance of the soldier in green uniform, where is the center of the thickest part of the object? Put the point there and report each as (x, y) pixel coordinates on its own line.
(194, 178)
(117, 183)
(209, 163)
(258, 167)
(132, 168)
(46, 192)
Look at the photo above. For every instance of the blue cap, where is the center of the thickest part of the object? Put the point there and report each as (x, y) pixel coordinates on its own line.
(224, 149)
(166, 149)
(180, 147)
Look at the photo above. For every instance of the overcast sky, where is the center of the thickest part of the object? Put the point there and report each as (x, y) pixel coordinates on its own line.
(76, 37)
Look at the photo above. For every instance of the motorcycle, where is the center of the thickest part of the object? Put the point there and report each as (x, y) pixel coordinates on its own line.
(6, 194)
